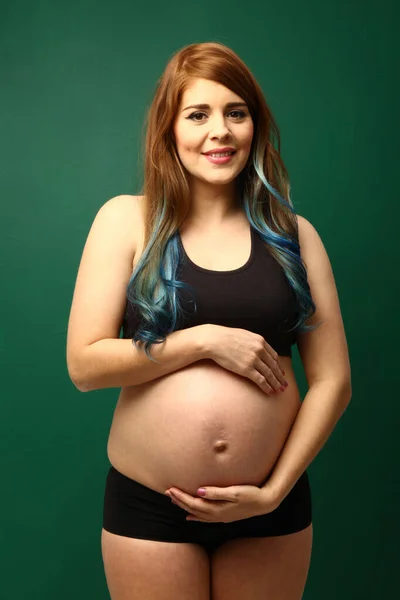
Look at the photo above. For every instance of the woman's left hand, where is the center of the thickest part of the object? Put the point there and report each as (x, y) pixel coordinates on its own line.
(226, 504)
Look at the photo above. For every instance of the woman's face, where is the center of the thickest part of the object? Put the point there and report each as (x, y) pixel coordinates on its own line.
(199, 130)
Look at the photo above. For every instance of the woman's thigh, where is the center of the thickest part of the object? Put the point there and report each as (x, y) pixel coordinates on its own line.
(153, 570)
(264, 567)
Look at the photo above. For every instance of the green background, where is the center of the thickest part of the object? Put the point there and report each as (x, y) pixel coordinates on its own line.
(76, 79)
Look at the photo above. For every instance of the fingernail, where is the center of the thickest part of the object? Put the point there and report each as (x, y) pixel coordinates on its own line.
(201, 491)
(282, 388)
(285, 384)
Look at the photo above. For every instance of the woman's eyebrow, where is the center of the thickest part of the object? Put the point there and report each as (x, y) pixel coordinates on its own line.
(228, 105)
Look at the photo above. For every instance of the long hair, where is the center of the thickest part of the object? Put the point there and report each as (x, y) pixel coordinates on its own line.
(263, 185)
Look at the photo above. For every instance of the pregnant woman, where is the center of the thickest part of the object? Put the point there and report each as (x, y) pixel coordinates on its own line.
(213, 277)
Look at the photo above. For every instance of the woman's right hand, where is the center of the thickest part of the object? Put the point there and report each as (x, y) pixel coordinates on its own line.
(247, 354)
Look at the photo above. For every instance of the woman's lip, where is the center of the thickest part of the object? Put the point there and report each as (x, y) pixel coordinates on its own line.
(221, 160)
(219, 152)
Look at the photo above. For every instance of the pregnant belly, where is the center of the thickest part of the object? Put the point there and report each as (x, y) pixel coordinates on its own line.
(201, 425)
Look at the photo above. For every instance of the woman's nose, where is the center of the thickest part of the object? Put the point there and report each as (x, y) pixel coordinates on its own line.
(218, 128)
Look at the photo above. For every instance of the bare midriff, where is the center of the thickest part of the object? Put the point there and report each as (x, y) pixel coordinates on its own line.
(202, 425)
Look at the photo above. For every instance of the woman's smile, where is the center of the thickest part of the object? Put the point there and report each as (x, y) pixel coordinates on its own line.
(220, 159)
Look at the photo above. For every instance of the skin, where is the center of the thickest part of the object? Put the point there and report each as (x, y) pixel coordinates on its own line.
(213, 195)
(256, 568)
(213, 200)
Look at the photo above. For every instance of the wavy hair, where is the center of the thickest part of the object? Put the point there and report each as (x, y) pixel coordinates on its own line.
(263, 186)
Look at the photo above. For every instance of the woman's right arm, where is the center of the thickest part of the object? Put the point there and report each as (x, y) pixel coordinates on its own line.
(96, 357)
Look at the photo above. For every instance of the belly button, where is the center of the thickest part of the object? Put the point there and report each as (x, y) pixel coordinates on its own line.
(220, 446)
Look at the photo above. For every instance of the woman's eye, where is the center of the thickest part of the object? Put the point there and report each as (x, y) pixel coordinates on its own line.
(239, 112)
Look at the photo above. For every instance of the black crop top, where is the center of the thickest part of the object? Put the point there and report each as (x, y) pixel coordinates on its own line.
(256, 297)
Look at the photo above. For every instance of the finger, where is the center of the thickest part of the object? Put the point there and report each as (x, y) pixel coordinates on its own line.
(259, 379)
(220, 494)
(276, 378)
(271, 359)
(183, 505)
(188, 505)
(175, 499)
(268, 375)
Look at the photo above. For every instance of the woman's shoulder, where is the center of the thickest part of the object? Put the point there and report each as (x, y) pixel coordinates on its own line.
(306, 230)
(127, 207)
(127, 210)
(124, 202)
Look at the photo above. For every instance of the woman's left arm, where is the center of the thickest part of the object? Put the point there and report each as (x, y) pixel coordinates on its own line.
(325, 358)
